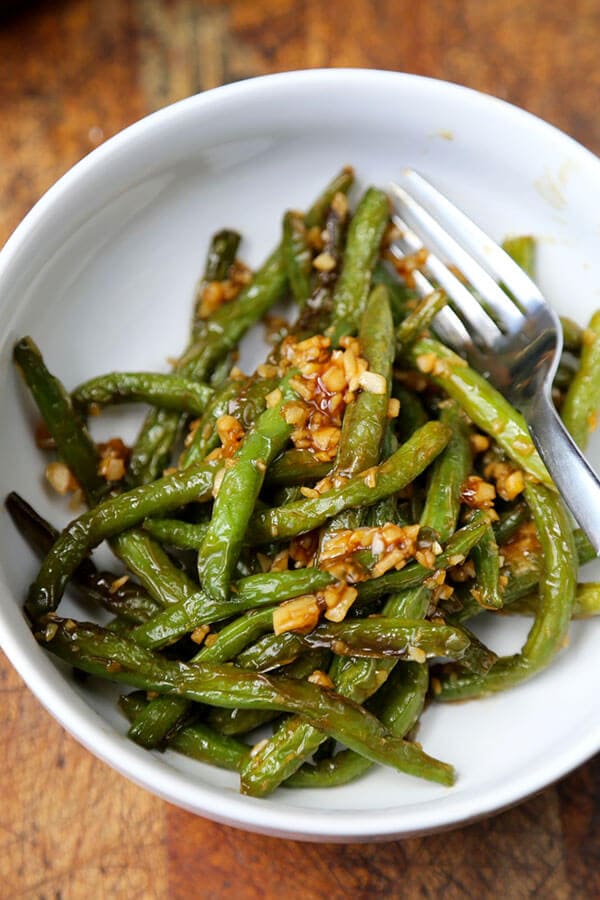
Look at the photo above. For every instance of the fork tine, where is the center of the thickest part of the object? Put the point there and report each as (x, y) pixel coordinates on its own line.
(478, 244)
(478, 321)
(446, 324)
(497, 300)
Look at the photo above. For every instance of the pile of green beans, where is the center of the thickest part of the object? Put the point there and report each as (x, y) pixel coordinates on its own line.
(216, 542)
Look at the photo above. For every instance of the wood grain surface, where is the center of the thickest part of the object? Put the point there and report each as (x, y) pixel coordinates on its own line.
(73, 73)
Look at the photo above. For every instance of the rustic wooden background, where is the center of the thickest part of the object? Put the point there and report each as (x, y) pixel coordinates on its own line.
(73, 73)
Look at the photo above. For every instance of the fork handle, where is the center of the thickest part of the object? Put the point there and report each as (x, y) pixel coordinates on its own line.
(577, 482)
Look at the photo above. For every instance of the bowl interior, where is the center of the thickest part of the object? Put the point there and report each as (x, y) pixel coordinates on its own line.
(102, 273)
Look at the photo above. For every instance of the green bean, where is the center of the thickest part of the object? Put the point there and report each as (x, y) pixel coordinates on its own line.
(184, 535)
(109, 518)
(297, 256)
(377, 638)
(488, 409)
(165, 582)
(399, 704)
(572, 335)
(522, 250)
(365, 420)
(340, 184)
(74, 444)
(99, 652)
(412, 414)
(254, 591)
(510, 521)
(440, 514)
(219, 259)
(241, 721)
(315, 315)
(582, 400)
(402, 298)
(390, 477)
(486, 560)
(160, 721)
(587, 602)
(164, 716)
(447, 475)
(356, 678)
(458, 548)
(204, 438)
(295, 467)
(78, 451)
(237, 495)
(362, 249)
(236, 636)
(168, 391)
(233, 319)
(195, 740)
(129, 601)
(523, 578)
(420, 318)
(557, 595)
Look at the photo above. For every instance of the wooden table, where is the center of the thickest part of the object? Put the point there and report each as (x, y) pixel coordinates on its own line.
(73, 73)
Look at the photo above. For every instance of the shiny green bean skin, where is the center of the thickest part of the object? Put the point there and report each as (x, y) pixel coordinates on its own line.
(241, 721)
(488, 409)
(524, 579)
(447, 475)
(399, 704)
(164, 716)
(370, 638)
(205, 437)
(582, 400)
(297, 256)
(419, 320)
(164, 581)
(168, 391)
(395, 473)
(109, 518)
(237, 635)
(362, 250)
(413, 575)
(557, 596)
(160, 721)
(254, 591)
(237, 496)
(98, 651)
(586, 606)
(402, 298)
(175, 533)
(340, 184)
(412, 413)
(365, 421)
(195, 740)
(219, 259)
(74, 444)
(295, 467)
(129, 601)
(486, 559)
(510, 521)
(75, 447)
(315, 316)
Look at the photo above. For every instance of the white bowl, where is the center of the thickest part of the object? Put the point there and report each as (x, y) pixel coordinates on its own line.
(101, 274)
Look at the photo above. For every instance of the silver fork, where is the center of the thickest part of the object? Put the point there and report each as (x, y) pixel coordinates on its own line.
(517, 347)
